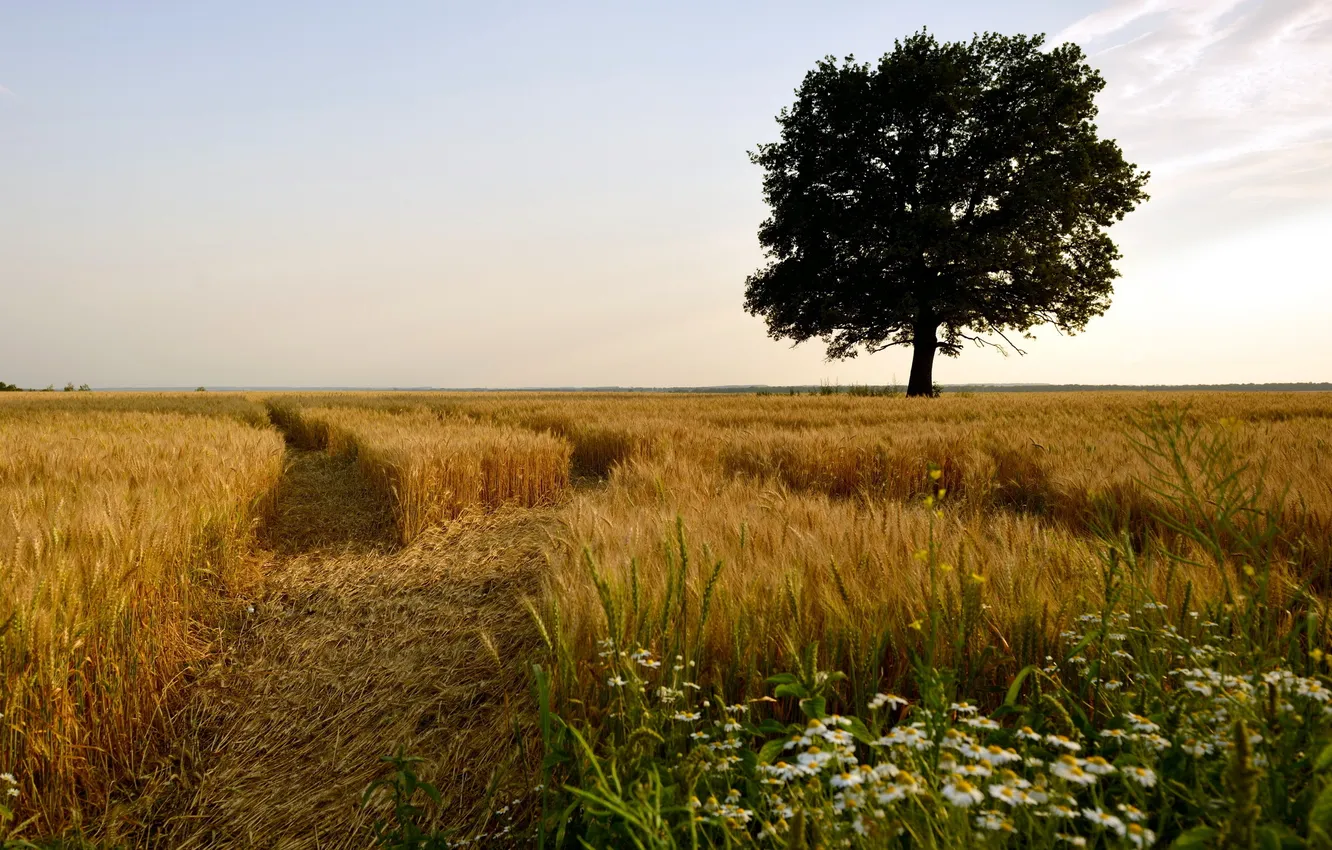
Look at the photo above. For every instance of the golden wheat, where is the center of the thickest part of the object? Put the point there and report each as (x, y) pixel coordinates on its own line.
(117, 531)
(432, 468)
(245, 407)
(735, 528)
(796, 530)
(1031, 482)
(998, 447)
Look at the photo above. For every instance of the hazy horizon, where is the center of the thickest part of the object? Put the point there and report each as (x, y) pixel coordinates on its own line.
(514, 195)
(1318, 386)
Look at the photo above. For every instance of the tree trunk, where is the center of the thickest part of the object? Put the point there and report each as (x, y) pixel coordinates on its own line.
(922, 362)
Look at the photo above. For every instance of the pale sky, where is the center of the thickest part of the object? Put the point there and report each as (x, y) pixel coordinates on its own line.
(549, 194)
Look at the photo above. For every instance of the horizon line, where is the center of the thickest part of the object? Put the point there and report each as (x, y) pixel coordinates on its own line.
(1307, 386)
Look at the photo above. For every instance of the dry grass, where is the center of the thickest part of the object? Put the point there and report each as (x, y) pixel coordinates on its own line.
(118, 531)
(356, 648)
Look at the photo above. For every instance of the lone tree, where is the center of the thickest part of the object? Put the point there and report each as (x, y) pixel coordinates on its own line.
(954, 191)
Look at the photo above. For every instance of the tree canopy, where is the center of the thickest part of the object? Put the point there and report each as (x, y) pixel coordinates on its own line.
(954, 191)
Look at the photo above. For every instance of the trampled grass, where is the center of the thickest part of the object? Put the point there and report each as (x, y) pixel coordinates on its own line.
(118, 532)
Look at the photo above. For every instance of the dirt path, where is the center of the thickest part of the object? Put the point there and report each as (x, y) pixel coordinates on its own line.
(355, 648)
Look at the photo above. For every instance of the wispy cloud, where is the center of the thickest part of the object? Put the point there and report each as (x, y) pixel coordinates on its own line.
(1231, 95)
(4, 92)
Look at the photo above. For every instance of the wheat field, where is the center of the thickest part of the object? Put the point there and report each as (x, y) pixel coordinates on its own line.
(732, 530)
(120, 529)
(432, 468)
(798, 519)
(780, 521)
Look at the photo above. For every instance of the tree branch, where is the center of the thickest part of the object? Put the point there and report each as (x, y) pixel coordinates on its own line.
(875, 349)
(982, 341)
(1010, 342)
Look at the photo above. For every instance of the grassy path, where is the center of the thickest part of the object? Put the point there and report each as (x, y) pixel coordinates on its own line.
(353, 648)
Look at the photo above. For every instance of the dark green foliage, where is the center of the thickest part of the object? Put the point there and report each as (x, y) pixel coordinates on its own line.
(1241, 784)
(953, 190)
(403, 830)
(9, 388)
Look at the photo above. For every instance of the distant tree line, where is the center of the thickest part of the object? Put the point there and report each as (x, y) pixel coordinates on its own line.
(50, 388)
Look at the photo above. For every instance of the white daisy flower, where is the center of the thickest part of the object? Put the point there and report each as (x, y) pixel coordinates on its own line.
(814, 759)
(1140, 836)
(993, 821)
(846, 780)
(1313, 689)
(995, 754)
(781, 772)
(839, 737)
(894, 791)
(1133, 814)
(1141, 724)
(961, 793)
(955, 740)
(1104, 820)
(981, 723)
(1098, 766)
(890, 700)
(885, 770)
(1070, 769)
(1144, 776)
